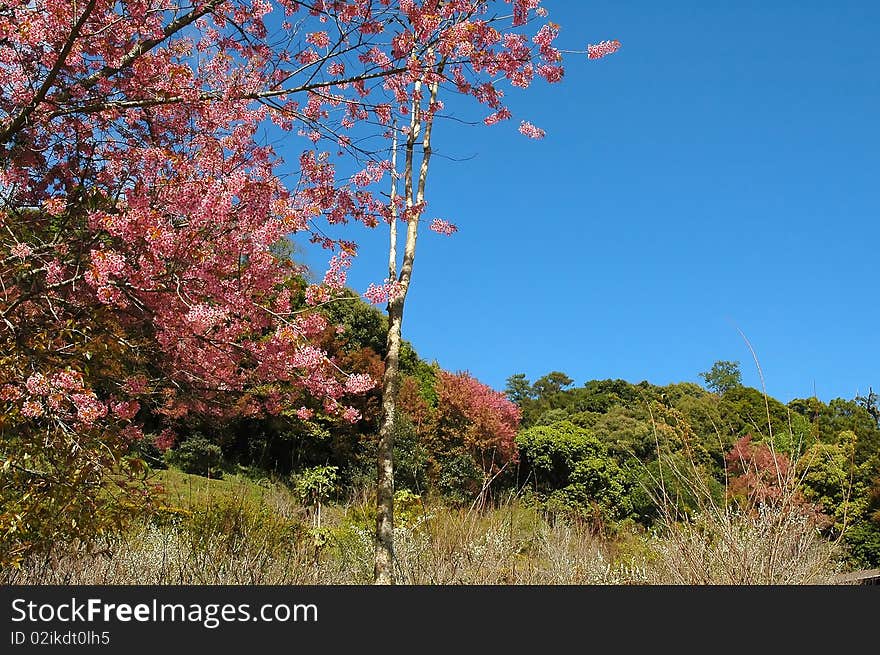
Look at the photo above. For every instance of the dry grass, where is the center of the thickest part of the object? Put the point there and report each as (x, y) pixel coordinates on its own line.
(268, 539)
(768, 535)
(507, 545)
(239, 533)
(725, 546)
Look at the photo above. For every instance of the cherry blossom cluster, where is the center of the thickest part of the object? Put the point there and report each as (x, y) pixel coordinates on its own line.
(440, 226)
(602, 49)
(378, 294)
(531, 131)
(359, 383)
(61, 396)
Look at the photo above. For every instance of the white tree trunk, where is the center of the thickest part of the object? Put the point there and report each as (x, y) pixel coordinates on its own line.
(414, 192)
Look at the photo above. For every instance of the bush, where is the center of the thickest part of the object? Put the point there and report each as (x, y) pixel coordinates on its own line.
(197, 455)
(411, 457)
(575, 473)
(862, 544)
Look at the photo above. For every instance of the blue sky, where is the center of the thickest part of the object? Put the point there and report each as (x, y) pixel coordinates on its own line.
(720, 173)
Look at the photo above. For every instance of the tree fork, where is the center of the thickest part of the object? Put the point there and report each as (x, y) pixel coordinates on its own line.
(414, 194)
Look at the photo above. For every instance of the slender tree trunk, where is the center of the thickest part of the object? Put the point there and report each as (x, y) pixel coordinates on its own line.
(414, 193)
(384, 565)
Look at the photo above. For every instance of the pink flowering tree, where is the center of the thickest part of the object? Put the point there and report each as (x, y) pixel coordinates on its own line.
(139, 208)
(140, 205)
(478, 421)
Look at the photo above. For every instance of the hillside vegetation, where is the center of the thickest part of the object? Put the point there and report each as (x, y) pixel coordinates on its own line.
(548, 482)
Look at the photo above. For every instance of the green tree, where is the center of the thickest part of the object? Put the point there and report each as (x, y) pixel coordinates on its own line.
(551, 384)
(573, 472)
(519, 389)
(722, 377)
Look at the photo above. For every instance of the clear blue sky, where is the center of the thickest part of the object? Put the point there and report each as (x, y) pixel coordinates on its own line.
(720, 172)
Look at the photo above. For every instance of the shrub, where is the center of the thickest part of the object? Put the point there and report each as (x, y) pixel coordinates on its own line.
(197, 455)
(574, 472)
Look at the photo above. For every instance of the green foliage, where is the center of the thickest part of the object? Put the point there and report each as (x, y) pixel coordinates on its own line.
(826, 421)
(518, 389)
(722, 377)
(145, 449)
(408, 507)
(598, 488)
(364, 326)
(411, 456)
(459, 479)
(551, 452)
(222, 521)
(551, 416)
(626, 432)
(573, 471)
(424, 373)
(315, 485)
(827, 478)
(551, 384)
(63, 482)
(871, 404)
(862, 542)
(229, 525)
(197, 455)
(743, 411)
(596, 396)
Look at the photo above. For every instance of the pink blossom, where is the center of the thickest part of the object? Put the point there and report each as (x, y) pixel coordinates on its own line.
(54, 206)
(500, 115)
(21, 250)
(186, 247)
(37, 385)
(131, 433)
(273, 405)
(544, 40)
(316, 294)
(351, 414)
(126, 410)
(67, 380)
(88, 408)
(307, 57)
(165, 439)
(32, 408)
(311, 325)
(135, 384)
(521, 10)
(54, 272)
(602, 48)
(359, 383)
(307, 357)
(375, 56)
(382, 293)
(335, 276)
(203, 318)
(318, 39)
(440, 226)
(531, 131)
(383, 113)
(304, 413)
(550, 73)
